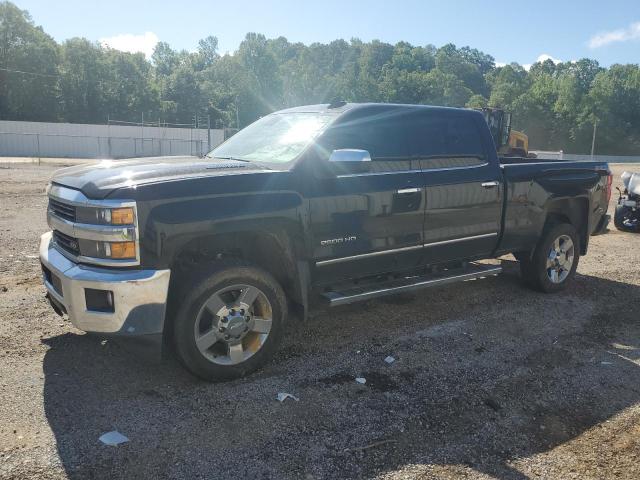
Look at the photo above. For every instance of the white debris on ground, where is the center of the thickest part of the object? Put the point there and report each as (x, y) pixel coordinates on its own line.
(113, 438)
(282, 396)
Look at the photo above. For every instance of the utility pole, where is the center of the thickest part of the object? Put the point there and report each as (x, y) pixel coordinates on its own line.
(194, 122)
(237, 115)
(142, 132)
(108, 136)
(593, 139)
(208, 133)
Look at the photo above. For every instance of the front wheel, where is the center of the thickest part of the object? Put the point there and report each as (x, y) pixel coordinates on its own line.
(554, 261)
(623, 219)
(230, 322)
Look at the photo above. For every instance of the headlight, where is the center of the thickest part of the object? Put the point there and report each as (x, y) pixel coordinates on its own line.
(120, 250)
(122, 216)
(108, 250)
(106, 216)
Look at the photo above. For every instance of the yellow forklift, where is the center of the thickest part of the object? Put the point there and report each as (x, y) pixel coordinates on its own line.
(509, 143)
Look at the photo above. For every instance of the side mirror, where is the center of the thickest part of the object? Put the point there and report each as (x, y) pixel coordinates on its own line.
(349, 156)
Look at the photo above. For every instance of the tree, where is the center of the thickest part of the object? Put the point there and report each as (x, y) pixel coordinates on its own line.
(556, 104)
(165, 59)
(29, 58)
(260, 89)
(207, 52)
(82, 86)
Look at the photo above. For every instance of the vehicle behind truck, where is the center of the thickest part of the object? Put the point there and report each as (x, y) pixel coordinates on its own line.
(217, 257)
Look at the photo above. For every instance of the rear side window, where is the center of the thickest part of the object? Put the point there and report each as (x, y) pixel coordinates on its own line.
(438, 135)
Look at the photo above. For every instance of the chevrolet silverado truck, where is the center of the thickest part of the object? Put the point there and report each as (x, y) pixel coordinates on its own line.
(325, 204)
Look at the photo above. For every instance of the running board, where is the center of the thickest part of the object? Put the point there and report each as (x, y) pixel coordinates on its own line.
(355, 294)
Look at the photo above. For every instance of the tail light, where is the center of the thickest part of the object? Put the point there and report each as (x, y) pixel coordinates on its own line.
(608, 186)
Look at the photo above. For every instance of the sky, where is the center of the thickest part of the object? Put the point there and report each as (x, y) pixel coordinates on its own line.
(524, 32)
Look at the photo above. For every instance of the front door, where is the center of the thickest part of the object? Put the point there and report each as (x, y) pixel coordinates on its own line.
(368, 220)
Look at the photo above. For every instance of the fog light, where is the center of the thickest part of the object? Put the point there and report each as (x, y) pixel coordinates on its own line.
(99, 300)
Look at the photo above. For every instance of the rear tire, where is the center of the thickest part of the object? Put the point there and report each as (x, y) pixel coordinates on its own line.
(621, 214)
(230, 321)
(554, 261)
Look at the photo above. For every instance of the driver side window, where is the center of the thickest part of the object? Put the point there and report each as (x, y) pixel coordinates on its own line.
(383, 135)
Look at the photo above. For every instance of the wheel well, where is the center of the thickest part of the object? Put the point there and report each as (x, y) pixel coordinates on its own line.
(269, 251)
(574, 211)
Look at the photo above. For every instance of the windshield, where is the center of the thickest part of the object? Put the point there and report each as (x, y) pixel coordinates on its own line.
(276, 138)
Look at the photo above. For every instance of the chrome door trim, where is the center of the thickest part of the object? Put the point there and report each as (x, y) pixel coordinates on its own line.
(366, 255)
(332, 261)
(444, 169)
(417, 170)
(372, 174)
(461, 239)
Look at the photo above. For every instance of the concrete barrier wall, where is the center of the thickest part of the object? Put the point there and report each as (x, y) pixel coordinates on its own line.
(70, 140)
(586, 157)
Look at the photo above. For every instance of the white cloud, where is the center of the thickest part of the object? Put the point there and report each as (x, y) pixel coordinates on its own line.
(546, 56)
(128, 42)
(541, 58)
(632, 32)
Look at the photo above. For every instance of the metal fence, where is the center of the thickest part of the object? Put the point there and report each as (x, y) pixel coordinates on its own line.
(59, 140)
(560, 155)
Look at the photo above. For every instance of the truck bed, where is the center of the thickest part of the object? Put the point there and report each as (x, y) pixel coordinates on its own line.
(576, 188)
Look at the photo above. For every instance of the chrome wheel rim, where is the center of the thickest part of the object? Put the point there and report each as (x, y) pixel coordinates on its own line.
(560, 259)
(233, 324)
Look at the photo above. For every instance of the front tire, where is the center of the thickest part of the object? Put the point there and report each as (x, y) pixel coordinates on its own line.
(554, 261)
(230, 321)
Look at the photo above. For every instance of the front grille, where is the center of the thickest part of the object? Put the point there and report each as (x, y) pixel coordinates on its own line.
(62, 210)
(66, 242)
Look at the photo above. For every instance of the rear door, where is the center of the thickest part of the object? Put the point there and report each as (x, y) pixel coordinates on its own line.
(463, 185)
(368, 219)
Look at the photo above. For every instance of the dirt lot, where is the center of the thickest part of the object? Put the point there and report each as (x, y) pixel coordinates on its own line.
(490, 380)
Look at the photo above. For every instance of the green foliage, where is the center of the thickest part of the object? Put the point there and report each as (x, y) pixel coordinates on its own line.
(25, 47)
(556, 105)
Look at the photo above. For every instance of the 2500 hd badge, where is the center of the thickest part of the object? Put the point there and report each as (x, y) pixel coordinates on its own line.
(336, 241)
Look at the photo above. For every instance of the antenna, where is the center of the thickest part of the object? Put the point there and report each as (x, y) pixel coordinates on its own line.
(337, 103)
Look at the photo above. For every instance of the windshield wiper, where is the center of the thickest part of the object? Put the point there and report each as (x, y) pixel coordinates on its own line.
(233, 158)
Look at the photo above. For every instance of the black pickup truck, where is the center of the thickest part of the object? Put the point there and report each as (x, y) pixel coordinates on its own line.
(326, 203)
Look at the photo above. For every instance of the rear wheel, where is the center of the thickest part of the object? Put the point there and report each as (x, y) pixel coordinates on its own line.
(230, 322)
(623, 219)
(554, 261)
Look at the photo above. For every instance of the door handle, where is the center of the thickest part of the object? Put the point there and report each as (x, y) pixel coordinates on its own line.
(490, 184)
(408, 190)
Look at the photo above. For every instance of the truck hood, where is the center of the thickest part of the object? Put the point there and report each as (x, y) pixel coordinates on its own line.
(99, 180)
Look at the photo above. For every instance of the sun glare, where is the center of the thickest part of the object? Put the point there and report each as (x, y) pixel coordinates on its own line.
(301, 131)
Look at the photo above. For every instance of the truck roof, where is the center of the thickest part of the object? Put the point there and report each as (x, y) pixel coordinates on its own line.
(326, 107)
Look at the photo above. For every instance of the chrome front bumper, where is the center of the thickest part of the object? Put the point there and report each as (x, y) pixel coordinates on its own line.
(139, 296)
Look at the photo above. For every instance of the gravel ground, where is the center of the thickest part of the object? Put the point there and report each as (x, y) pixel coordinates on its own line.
(491, 380)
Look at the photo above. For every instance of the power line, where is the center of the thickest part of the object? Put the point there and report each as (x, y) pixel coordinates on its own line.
(29, 73)
(101, 82)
